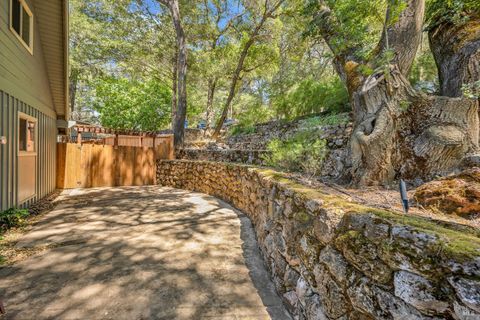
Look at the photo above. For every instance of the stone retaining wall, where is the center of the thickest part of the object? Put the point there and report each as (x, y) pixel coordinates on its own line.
(224, 155)
(330, 259)
(336, 135)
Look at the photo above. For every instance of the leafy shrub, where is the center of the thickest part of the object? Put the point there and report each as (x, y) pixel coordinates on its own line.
(12, 218)
(242, 129)
(326, 120)
(304, 152)
(472, 90)
(311, 96)
(456, 11)
(251, 111)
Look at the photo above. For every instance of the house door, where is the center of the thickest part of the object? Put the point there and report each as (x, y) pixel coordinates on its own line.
(27, 158)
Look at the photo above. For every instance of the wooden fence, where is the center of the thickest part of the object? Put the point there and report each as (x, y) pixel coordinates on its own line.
(91, 165)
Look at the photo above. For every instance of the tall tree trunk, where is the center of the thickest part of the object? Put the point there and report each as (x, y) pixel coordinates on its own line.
(74, 74)
(405, 35)
(212, 84)
(181, 112)
(233, 87)
(456, 49)
(174, 86)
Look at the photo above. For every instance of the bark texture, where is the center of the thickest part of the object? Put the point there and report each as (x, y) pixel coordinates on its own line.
(74, 75)
(404, 36)
(398, 132)
(181, 74)
(456, 49)
(212, 84)
(174, 86)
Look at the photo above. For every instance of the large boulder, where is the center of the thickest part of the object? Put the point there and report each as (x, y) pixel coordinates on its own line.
(458, 194)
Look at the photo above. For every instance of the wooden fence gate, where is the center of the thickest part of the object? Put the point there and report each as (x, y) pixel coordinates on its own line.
(90, 165)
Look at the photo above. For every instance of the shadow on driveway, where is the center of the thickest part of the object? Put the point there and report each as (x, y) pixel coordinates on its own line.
(141, 253)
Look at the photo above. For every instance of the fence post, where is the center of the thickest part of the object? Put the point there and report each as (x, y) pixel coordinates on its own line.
(172, 148)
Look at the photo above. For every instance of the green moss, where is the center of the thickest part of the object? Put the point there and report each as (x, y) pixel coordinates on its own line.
(294, 186)
(458, 242)
(349, 236)
(302, 216)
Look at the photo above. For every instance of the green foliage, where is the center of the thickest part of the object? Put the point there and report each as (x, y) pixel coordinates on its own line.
(242, 129)
(251, 110)
(472, 90)
(456, 11)
(129, 104)
(287, 73)
(424, 74)
(358, 23)
(12, 218)
(304, 152)
(311, 96)
(404, 105)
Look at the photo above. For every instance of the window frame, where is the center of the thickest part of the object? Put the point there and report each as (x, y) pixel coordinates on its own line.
(23, 116)
(24, 5)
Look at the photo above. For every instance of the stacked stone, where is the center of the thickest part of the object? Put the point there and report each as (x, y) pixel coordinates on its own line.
(336, 135)
(255, 157)
(336, 263)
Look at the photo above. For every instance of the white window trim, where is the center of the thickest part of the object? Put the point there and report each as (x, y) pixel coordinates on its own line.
(23, 116)
(28, 46)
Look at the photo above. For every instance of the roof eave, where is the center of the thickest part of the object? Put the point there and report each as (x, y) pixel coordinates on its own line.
(66, 40)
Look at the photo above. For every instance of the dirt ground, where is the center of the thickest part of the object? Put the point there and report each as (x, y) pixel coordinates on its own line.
(380, 197)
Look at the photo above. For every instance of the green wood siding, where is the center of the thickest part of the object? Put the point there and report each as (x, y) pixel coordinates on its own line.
(46, 151)
(21, 74)
(25, 86)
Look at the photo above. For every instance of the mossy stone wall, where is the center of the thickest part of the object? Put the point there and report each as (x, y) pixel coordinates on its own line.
(331, 259)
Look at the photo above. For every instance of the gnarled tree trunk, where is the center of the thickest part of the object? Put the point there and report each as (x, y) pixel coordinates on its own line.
(398, 132)
(406, 134)
(174, 87)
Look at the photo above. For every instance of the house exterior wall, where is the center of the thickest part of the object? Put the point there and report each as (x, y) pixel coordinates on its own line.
(46, 151)
(22, 75)
(24, 88)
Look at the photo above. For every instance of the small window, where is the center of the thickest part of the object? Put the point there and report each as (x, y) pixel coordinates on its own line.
(26, 135)
(21, 23)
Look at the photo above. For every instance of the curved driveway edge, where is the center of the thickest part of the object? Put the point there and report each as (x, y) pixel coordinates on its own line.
(141, 253)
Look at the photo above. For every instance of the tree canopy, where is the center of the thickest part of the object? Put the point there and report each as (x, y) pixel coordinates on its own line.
(286, 73)
(386, 61)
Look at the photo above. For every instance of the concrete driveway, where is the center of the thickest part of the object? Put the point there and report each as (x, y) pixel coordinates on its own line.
(140, 253)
